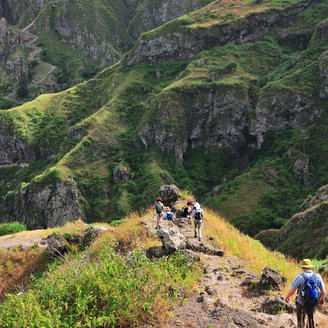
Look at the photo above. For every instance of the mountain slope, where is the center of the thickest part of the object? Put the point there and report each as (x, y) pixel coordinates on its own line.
(236, 116)
(77, 38)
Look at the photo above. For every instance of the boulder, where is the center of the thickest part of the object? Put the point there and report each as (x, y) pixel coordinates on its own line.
(169, 194)
(56, 245)
(90, 235)
(121, 174)
(271, 280)
(155, 252)
(275, 305)
(301, 165)
(172, 239)
(46, 206)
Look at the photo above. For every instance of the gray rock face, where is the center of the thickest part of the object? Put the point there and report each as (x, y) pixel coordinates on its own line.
(159, 12)
(47, 206)
(180, 43)
(208, 119)
(12, 9)
(282, 110)
(172, 239)
(8, 41)
(13, 150)
(169, 194)
(320, 196)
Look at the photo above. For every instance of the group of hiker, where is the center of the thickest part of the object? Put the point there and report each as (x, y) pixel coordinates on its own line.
(309, 285)
(191, 211)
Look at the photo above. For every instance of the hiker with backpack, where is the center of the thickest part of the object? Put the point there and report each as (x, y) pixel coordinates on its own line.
(198, 216)
(159, 207)
(169, 215)
(187, 210)
(310, 291)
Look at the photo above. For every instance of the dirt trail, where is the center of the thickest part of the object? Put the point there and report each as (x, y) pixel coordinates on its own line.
(220, 301)
(24, 239)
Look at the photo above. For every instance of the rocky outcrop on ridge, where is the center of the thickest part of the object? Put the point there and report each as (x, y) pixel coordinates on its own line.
(179, 42)
(13, 149)
(208, 118)
(297, 235)
(44, 206)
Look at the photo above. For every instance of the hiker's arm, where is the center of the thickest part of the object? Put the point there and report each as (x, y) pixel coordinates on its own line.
(323, 296)
(289, 294)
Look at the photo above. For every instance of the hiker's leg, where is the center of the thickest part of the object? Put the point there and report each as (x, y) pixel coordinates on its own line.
(300, 315)
(195, 229)
(311, 317)
(200, 230)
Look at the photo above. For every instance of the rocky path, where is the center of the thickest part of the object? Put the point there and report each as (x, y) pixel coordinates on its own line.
(220, 299)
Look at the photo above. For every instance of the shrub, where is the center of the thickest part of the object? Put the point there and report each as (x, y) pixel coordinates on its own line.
(12, 227)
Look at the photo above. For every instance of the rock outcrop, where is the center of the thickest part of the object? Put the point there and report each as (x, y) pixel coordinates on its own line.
(121, 174)
(297, 235)
(13, 149)
(179, 42)
(172, 239)
(271, 280)
(208, 118)
(47, 206)
(169, 193)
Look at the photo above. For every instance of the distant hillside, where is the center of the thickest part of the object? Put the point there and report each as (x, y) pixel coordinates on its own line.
(50, 45)
(229, 102)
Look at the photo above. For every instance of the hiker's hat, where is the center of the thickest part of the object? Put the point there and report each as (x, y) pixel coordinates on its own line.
(197, 206)
(307, 264)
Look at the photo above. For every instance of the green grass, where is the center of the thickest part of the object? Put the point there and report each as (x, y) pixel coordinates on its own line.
(104, 287)
(10, 228)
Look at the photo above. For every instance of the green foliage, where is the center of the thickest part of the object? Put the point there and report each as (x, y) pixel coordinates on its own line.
(6, 103)
(109, 291)
(10, 228)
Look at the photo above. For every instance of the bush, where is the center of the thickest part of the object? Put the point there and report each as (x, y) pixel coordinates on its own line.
(12, 227)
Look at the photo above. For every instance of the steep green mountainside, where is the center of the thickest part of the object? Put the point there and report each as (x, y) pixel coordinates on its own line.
(229, 102)
(60, 43)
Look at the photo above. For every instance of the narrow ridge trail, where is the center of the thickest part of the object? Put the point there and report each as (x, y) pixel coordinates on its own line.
(219, 300)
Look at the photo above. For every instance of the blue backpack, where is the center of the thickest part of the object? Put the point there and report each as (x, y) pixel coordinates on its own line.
(169, 216)
(310, 291)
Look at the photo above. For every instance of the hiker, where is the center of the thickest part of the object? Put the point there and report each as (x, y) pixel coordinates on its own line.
(186, 210)
(159, 206)
(169, 215)
(310, 291)
(198, 216)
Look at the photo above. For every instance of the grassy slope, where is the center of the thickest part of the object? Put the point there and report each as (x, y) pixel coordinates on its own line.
(103, 287)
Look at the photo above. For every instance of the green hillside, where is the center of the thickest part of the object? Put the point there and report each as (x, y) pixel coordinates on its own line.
(196, 120)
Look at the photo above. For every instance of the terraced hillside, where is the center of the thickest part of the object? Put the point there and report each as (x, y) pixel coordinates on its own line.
(229, 102)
